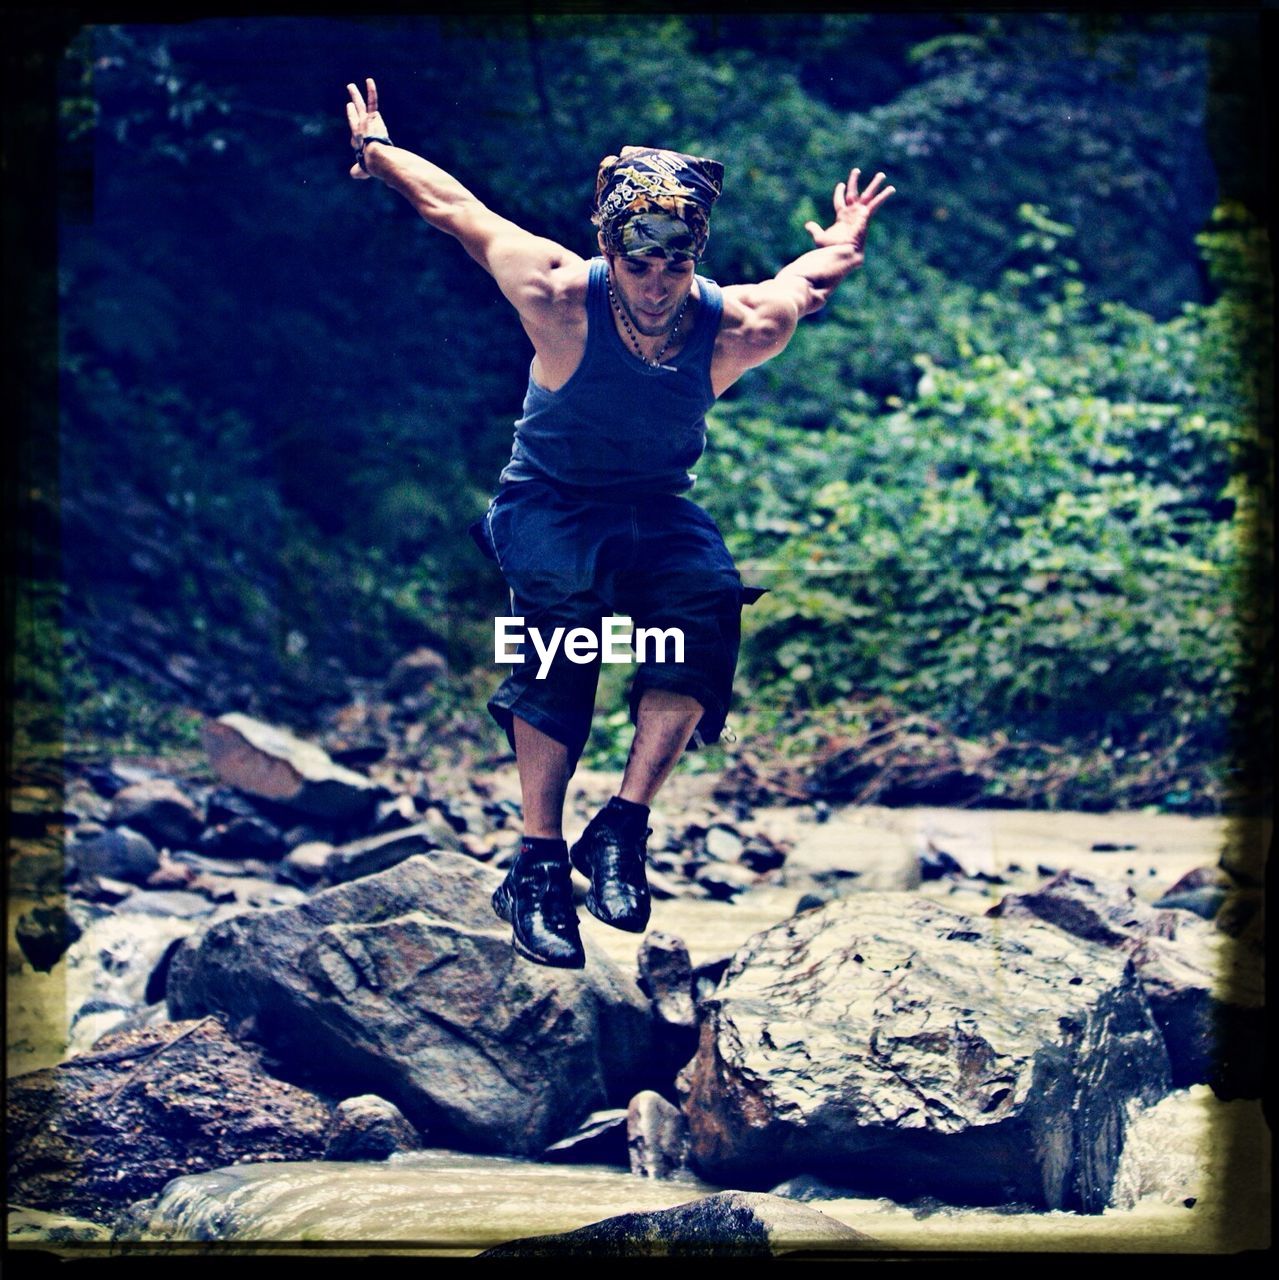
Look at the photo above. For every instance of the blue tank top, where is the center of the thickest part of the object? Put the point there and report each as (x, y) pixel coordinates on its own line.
(618, 424)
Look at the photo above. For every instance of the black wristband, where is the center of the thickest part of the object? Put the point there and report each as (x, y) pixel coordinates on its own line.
(364, 142)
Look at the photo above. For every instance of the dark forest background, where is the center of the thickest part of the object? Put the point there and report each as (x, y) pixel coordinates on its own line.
(1013, 485)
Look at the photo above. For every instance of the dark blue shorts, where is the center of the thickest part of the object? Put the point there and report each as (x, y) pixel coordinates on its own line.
(570, 561)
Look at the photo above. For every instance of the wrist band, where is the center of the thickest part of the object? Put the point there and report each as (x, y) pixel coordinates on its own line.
(364, 142)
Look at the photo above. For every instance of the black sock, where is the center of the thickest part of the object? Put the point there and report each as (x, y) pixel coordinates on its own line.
(543, 849)
(627, 812)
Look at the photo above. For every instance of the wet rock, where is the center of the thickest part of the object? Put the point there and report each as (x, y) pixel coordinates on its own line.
(891, 1043)
(225, 803)
(251, 892)
(100, 1130)
(171, 873)
(405, 984)
(599, 1139)
(377, 853)
(103, 890)
(394, 815)
(121, 854)
(177, 903)
(761, 855)
(44, 934)
(807, 1187)
(725, 880)
(369, 1128)
(158, 809)
(935, 864)
(731, 1224)
(1205, 902)
(723, 843)
(270, 762)
(656, 1136)
(666, 977)
(1213, 1033)
(305, 865)
(243, 837)
(203, 864)
(707, 976)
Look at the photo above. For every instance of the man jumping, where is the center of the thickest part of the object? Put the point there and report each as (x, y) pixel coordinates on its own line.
(631, 349)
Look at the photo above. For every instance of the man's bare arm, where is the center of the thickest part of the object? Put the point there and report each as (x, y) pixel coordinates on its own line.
(524, 265)
(761, 318)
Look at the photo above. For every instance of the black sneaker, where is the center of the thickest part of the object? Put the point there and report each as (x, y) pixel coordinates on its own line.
(613, 859)
(536, 899)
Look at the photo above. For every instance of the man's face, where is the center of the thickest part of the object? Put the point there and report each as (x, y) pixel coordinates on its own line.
(652, 290)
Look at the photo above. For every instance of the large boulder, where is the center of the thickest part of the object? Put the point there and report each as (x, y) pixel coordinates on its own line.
(405, 984)
(730, 1224)
(89, 1135)
(272, 763)
(895, 1045)
(1205, 999)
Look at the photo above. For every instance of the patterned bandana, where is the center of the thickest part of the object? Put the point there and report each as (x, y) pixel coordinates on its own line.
(649, 201)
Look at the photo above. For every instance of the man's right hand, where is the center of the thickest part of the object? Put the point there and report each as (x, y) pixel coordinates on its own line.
(365, 121)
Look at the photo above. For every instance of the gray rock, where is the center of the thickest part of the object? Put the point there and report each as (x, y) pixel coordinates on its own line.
(165, 902)
(122, 854)
(160, 810)
(731, 1224)
(44, 934)
(377, 853)
(272, 763)
(254, 892)
(405, 984)
(761, 855)
(243, 837)
(369, 1128)
(1205, 902)
(656, 1136)
(666, 977)
(723, 843)
(100, 1130)
(1213, 1026)
(725, 880)
(394, 814)
(599, 1139)
(891, 1043)
(305, 864)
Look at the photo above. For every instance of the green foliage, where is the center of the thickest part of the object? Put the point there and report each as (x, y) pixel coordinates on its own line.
(1047, 538)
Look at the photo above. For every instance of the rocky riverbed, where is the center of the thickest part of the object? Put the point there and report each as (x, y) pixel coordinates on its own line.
(279, 1007)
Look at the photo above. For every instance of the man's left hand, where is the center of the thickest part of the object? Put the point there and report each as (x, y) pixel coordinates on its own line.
(852, 214)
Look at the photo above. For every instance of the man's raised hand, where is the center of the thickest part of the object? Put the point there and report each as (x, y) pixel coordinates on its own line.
(852, 214)
(364, 119)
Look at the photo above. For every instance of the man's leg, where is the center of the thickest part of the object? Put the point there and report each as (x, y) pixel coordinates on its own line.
(544, 770)
(613, 848)
(536, 897)
(665, 723)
